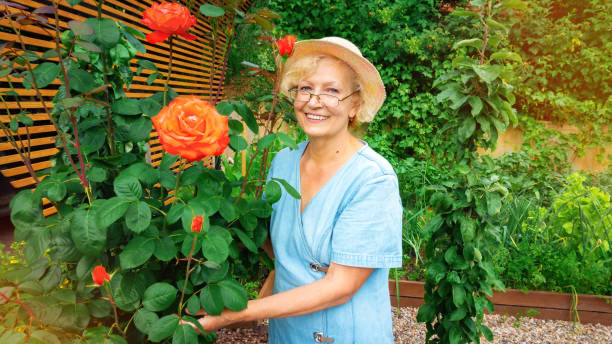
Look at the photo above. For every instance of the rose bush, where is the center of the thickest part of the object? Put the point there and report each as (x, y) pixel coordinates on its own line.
(175, 234)
(191, 128)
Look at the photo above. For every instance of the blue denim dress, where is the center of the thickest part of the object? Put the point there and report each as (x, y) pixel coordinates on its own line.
(354, 220)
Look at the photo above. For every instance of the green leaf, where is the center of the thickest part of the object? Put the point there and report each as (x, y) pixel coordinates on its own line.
(43, 337)
(138, 216)
(14, 125)
(193, 304)
(493, 203)
(237, 143)
(458, 295)
(152, 77)
(225, 108)
(228, 210)
(87, 236)
(165, 249)
(12, 337)
(287, 140)
(128, 187)
(74, 2)
(211, 299)
(163, 328)
(127, 106)
(457, 314)
(80, 80)
(44, 73)
(52, 278)
(486, 332)
(468, 229)
(236, 126)
(515, 4)
(88, 46)
(80, 28)
(99, 308)
(158, 297)
(111, 210)
(167, 161)
(211, 10)
(506, 55)
(462, 13)
(140, 129)
(473, 42)
(185, 334)
(426, 313)
(488, 73)
(215, 248)
(273, 191)
(146, 64)
(27, 121)
(436, 271)
(266, 141)
(450, 255)
(264, 23)
(246, 240)
(476, 104)
(144, 320)
(233, 294)
(107, 32)
(136, 252)
(454, 335)
(248, 222)
(466, 129)
(247, 115)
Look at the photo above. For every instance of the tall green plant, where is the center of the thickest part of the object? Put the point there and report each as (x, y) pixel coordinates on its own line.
(459, 274)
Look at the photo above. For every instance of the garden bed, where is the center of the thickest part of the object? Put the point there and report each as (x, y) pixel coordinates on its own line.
(548, 305)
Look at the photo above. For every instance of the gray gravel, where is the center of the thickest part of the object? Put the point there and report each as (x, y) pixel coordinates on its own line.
(506, 330)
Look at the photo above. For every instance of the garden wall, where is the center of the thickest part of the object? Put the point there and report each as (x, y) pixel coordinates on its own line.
(512, 139)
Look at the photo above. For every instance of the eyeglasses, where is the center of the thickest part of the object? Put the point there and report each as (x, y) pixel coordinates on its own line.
(324, 99)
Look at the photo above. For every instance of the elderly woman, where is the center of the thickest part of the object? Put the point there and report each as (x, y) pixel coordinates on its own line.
(333, 247)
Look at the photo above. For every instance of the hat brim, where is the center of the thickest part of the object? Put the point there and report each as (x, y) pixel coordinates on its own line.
(372, 85)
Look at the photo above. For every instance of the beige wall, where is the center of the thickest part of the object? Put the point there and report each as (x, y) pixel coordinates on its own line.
(512, 139)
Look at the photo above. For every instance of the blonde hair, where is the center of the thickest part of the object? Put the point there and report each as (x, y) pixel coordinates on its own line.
(307, 65)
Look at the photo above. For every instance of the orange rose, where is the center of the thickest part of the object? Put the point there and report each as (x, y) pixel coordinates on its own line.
(100, 275)
(285, 45)
(191, 128)
(167, 19)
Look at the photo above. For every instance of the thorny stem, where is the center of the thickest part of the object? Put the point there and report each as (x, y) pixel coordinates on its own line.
(195, 239)
(486, 35)
(169, 70)
(19, 148)
(223, 68)
(112, 302)
(212, 65)
(20, 303)
(37, 90)
(109, 116)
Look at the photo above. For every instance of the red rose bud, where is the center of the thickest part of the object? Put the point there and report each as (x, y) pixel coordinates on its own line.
(285, 45)
(167, 19)
(196, 224)
(100, 275)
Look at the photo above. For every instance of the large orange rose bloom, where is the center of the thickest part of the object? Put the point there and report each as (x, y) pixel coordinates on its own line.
(191, 128)
(167, 18)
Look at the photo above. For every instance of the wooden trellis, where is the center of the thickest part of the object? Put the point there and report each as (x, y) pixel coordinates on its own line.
(191, 73)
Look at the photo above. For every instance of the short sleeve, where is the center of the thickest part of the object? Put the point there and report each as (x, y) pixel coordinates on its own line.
(368, 232)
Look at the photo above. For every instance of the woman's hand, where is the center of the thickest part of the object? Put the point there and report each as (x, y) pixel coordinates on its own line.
(210, 323)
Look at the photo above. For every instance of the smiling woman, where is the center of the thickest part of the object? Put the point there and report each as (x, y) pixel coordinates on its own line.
(334, 246)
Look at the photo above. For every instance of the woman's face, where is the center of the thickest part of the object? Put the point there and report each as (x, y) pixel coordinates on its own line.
(319, 120)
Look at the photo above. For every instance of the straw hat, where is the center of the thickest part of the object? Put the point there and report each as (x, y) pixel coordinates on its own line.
(373, 89)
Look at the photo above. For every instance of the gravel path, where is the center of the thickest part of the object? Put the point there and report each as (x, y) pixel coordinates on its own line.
(507, 330)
